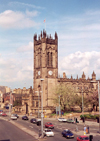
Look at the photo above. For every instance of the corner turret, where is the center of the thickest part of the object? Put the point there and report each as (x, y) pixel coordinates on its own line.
(93, 76)
(83, 75)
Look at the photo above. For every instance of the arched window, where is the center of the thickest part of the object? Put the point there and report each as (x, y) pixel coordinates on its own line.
(39, 59)
(51, 58)
(48, 59)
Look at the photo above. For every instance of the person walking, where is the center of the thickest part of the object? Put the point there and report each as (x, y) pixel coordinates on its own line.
(84, 130)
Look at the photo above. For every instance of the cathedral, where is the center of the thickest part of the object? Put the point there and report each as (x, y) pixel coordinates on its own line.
(45, 72)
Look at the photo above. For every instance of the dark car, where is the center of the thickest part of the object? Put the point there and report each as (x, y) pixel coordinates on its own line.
(67, 133)
(49, 125)
(24, 118)
(83, 138)
(33, 120)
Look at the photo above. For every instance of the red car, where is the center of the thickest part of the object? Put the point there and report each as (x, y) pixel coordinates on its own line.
(4, 114)
(83, 138)
(49, 125)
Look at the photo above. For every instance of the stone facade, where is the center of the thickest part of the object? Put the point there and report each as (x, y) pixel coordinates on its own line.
(45, 72)
(45, 65)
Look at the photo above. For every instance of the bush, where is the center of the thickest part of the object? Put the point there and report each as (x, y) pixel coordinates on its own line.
(89, 116)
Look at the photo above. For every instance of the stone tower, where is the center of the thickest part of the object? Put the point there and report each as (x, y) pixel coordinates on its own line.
(45, 66)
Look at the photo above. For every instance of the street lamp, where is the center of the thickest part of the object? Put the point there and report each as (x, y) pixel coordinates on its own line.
(10, 106)
(38, 102)
(59, 106)
(42, 106)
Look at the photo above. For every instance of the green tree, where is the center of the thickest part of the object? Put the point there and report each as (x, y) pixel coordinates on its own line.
(67, 93)
(17, 103)
(78, 100)
(92, 98)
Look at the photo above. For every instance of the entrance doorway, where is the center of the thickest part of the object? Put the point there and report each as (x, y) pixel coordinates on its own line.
(26, 108)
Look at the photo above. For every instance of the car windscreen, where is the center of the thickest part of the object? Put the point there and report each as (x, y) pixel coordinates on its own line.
(85, 138)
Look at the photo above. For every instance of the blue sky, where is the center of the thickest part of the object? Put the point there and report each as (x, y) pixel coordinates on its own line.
(77, 23)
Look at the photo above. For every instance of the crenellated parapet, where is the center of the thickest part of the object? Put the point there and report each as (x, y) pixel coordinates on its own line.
(44, 38)
(78, 80)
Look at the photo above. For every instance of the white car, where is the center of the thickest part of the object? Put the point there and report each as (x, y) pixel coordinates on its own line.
(48, 132)
(62, 119)
(13, 117)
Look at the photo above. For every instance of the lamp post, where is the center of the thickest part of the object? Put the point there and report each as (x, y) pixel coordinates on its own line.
(42, 106)
(59, 106)
(38, 102)
(10, 106)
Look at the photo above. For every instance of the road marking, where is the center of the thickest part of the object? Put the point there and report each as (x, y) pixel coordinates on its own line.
(31, 126)
(23, 128)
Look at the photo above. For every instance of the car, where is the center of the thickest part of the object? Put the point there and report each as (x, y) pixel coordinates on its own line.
(70, 121)
(62, 119)
(49, 125)
(83, 138)
(24, 118)
(48, 133)
(13, 117)
(16, 115)
(33, 120)
(4, 114)
(67, 133)
(1, 111)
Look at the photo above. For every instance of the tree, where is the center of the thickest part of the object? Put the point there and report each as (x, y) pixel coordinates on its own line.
(17, 103)
(92, 98)
(66, 93)
(78, 101)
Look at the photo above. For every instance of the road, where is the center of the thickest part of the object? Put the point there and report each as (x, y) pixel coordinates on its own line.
(9, 132)
(59, 127)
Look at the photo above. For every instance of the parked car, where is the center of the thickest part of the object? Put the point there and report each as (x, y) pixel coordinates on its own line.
(16, 115)
(70, 121)
(4, 114)
(67, 133)
(1, 111)
(24, 118)
(33, 120)
(48, 132)
(13, 117)
(62, 119)
(49, 125)
(83, 138)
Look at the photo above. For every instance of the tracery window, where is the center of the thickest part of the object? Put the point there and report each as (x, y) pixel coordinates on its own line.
(49, 59)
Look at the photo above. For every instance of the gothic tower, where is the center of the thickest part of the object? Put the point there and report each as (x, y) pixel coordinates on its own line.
(45, 66)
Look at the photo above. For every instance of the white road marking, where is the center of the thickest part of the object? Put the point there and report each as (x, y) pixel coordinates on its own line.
(31, 126)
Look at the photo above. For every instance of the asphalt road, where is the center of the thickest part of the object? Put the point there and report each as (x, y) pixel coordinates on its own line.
(58, 128)
(9, 132)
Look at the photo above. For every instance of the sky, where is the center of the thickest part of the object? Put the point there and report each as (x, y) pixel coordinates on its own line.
(77, 23)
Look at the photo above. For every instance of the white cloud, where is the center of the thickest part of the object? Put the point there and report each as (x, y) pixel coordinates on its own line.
(25, 48)
(26, 5)
(12, 19)
(78, 62)
(32, 13)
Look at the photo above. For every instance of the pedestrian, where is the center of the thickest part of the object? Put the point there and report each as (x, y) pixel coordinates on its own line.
(84, 130)
(88, 129)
